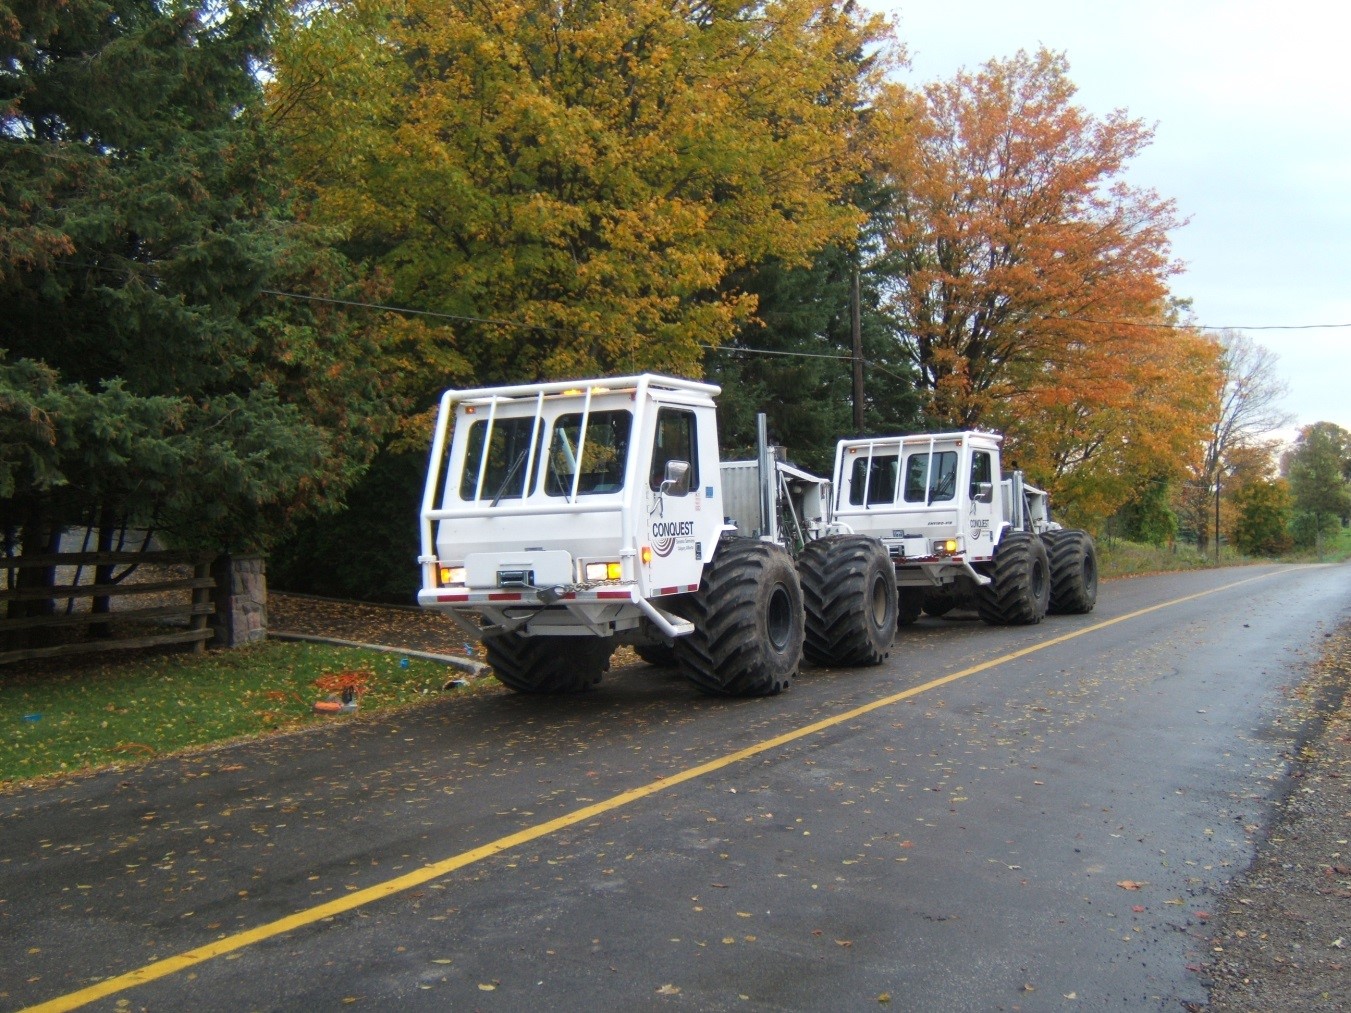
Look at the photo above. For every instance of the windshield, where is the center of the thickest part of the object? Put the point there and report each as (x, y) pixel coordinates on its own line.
(931, 481)
(604, 454)
(504, 465)
(878, 474)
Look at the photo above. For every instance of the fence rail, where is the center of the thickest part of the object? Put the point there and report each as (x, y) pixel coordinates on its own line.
(193, 607)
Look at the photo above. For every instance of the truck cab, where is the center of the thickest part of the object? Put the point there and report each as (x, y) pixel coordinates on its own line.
(959, 530)
(932, 498)
(588, 498)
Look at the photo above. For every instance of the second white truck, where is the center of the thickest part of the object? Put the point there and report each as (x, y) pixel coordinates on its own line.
(959, 531)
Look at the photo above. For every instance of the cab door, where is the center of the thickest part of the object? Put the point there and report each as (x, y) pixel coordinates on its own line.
(676, 530)
(982, 497)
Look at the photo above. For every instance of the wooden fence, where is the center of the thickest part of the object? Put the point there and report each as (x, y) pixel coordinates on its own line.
(166, 603)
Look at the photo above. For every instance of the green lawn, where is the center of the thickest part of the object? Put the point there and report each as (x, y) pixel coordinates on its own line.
(1118, 558)
(127, 709)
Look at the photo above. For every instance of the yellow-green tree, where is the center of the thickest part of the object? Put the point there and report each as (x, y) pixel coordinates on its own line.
(592, 170)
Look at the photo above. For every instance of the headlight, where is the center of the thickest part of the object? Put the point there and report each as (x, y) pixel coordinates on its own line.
(452, 575)
(946, 547)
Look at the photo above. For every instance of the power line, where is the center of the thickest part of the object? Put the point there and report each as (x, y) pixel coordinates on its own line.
(728, 349)
(1278, 327)
(736, 350)
(522, 325)
(519, 324)
(1203, 327)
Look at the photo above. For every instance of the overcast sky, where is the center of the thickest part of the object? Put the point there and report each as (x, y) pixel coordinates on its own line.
(1251, 104)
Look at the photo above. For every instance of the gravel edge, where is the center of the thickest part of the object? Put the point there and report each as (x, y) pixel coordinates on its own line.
(1282, 940)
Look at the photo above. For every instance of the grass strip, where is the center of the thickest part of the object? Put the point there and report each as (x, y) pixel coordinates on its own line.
(126, 709)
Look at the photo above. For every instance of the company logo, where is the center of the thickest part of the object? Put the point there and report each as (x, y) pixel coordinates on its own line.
(980, 526)
(665, 533)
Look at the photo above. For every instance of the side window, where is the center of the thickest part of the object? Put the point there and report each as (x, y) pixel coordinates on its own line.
(980, 469)
(878, 473)
(604, 453)
(676, 440)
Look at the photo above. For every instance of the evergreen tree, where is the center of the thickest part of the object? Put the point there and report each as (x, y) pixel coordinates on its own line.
(146, 374)
(794, 361)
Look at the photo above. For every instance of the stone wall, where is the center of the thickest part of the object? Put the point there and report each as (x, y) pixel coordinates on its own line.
(240, 596)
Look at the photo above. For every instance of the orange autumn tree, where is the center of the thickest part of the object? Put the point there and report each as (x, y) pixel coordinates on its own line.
(1027, 266)
(577, 181)
(1115, 417)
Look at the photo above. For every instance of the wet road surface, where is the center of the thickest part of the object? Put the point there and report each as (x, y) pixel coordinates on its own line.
(1032, 818)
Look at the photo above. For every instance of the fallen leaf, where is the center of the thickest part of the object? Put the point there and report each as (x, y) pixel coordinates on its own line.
(1129, 884)
(487, 988)
(668, 990)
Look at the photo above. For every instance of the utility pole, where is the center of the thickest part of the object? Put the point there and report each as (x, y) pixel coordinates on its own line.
(1217, 518)
(856, 334)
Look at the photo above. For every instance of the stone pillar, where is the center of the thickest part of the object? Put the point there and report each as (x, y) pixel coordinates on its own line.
(240, 596)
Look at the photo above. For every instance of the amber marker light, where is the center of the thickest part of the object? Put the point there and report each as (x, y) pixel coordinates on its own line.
(647, 554)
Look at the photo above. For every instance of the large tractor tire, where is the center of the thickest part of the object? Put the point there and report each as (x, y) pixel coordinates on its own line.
(748, 622)
(548, 664)
(661, 655)
(1074, 571)
(1020, 591)
(909, 605)
(849, 596)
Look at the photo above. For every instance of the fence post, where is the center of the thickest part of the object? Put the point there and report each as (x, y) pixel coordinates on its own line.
(240, 596)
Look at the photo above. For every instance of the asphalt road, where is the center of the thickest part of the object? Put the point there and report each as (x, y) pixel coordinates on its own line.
(1036, 818)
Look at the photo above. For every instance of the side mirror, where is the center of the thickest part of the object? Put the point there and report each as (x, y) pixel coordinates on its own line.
(677, 480)
(983, 492)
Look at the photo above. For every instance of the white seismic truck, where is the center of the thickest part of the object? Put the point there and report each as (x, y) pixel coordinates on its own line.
(959, 532)
(560, 520)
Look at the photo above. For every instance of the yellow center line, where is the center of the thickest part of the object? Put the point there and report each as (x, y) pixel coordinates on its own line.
(238, 941)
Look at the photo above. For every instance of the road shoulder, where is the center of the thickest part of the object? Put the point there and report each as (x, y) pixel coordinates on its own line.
(1283, 938)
